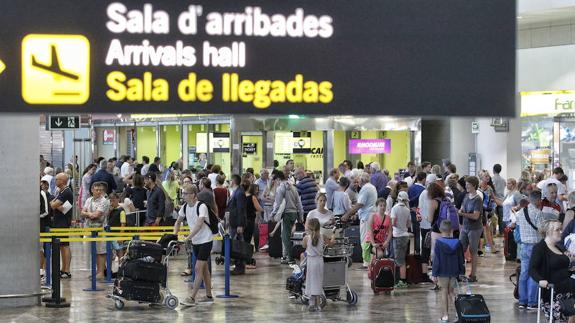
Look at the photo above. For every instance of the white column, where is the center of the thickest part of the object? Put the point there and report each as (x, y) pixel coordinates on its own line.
(19, 208)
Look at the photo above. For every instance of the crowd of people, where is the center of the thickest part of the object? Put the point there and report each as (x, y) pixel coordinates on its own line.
(392, 211)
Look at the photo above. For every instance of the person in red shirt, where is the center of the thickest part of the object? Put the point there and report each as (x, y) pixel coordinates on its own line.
(379, 229)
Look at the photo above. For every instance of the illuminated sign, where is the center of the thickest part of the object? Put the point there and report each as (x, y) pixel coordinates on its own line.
(55, 69)
(547, 103)
(369, 146)
(108, 136)
(322, 57)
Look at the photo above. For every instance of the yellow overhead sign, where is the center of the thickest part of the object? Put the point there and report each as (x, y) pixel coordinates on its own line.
(55, 69)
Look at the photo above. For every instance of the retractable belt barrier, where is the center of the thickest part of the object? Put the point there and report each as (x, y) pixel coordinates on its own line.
(100, 234)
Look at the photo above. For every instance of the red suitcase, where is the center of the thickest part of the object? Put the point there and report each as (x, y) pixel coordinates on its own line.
(381, 272)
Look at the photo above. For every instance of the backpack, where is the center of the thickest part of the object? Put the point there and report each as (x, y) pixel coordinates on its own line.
(213, 225)
(447, 211)
(487, 204)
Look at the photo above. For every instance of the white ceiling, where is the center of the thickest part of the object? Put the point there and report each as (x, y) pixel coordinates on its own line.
(556, 16)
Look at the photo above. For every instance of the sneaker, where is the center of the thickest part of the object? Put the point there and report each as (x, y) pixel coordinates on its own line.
(312, 308)
(65, 275)
(250, 266)
(189, 301)
(401, 284)
(531, 307)
(365, 265)
(284, 261)
(265, 247)
(480, 253)
(521, 306)
(487, 248)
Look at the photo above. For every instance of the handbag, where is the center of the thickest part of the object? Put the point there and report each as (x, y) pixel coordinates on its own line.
(567, 306)
(241, 250)
(427, 240)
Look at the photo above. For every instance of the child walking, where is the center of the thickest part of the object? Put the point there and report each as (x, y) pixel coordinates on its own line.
(313, 243)
(448, 264)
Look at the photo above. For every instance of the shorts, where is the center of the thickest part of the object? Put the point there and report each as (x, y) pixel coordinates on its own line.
(445, 282)
(470, 238)
(400, 249)
(62, 222)
(100, 247)
(203, 251)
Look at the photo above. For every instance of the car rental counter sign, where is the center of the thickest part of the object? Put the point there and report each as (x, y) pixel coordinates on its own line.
(385, 57)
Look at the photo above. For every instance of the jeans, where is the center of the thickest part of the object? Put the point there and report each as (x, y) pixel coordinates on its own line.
(528, 288)
(288, 222)
(499, 212)
(240, 265)
(416, 234)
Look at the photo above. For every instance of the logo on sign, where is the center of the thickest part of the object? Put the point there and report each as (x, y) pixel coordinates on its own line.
(109, 137)
(370, 146)
(55, 69)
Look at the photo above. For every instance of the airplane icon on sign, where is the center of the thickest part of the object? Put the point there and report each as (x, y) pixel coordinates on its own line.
(54, 67)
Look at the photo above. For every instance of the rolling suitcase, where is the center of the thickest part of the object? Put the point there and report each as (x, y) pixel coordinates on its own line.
(550, 307)
(381, 272)
(275, 242)
(413, 268)
(471, 307)
(353, 234)
(140, 249)
(137, 290)
(144, 271)
(509, 244)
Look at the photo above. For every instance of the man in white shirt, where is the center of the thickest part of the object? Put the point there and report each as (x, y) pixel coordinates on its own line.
(127, 167)
(196, 213)
(146, 161)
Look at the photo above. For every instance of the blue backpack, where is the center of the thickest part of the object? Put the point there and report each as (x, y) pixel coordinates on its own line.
(447, 211)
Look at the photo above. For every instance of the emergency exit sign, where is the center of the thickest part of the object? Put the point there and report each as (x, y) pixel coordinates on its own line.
(63, 122)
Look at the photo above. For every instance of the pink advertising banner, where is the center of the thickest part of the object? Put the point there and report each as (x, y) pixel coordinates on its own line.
(369, 146)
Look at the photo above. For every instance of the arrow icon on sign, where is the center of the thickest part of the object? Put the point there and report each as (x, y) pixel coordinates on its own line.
(58, 122)
(2, 66)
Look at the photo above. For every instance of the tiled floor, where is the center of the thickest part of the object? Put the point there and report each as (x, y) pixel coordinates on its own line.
(263, 298)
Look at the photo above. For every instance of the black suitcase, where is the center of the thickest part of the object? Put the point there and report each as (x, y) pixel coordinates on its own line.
(353, 234)
(471, 307)
(275, 242)
(144, 271)
(137, 290)
(140, 249)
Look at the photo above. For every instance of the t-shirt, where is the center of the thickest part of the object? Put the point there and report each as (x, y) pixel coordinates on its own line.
(341, 202)
(400, 212)
(424, 210)
(100, 204)
(213, 178)
(331, 186)
(367, 196)
(323, 218)
(470, 205)
(64, 220)
(512, 199)
(204, 235)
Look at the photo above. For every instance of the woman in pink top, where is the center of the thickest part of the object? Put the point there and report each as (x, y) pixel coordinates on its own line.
(379, 229)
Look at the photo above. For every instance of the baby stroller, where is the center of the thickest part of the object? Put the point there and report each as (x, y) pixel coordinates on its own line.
(143, 273)
(334, 276)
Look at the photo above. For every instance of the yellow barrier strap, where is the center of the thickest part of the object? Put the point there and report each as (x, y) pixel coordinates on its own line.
(148, 238)
(164, 228)
(65, 234)
(76, 229)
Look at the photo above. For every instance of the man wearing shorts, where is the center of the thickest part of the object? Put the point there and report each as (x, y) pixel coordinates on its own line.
(63, 208)
(471, 210)
(95, 211)
(197, 216)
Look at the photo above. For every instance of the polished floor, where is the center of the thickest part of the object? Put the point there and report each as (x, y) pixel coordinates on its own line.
(263, 298)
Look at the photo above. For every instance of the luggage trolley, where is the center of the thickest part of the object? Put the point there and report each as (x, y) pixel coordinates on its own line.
(146, 292)
(334, 275)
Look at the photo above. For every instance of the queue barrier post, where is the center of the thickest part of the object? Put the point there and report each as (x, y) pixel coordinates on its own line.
(48, 261)
(108, 279)
(94, 257)
(55, 301)
(227, 263)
